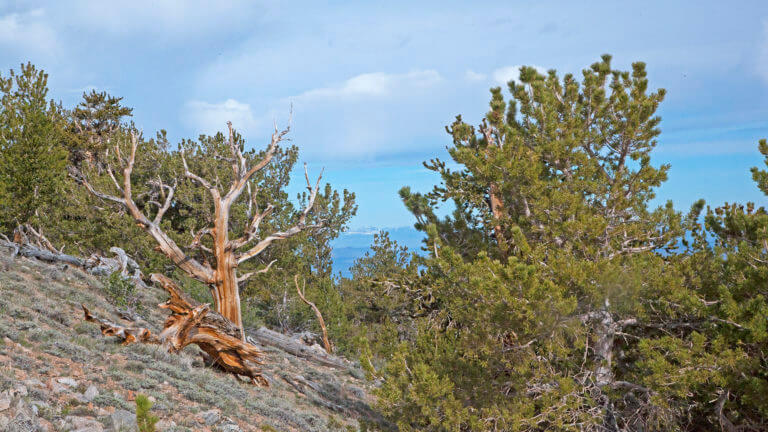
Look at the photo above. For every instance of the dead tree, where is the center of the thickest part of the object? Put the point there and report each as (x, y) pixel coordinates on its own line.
(192, 323)
(228, 253)
(326, 342)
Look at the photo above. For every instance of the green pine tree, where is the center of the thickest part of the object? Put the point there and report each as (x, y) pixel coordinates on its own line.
(144, 419)
(32, 154)
(551, 290)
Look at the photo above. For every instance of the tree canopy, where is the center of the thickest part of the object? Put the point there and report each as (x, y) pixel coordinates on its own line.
(555, 295)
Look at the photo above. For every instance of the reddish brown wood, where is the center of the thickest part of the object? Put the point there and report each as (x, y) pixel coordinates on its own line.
(193, 323)
(223, 278)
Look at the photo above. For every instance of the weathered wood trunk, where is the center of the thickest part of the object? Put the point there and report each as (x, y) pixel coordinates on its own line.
(193, 323)
(226, 290)
(497, 207)
(222, 279)
(267, 337)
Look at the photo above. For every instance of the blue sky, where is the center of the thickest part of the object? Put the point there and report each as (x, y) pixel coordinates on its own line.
(374, 83)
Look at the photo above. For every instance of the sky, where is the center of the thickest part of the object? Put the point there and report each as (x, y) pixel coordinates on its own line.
(373, 84)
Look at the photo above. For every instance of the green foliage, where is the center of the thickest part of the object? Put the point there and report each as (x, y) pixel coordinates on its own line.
(95, 121)
(267, 297)
(144, 419)
(122, 292)
(378, 311)
(553, 297)
(32, 156)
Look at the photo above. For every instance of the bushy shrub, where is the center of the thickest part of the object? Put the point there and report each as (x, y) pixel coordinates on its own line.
(122, 292)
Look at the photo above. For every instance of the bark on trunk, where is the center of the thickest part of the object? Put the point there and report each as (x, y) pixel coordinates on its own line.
(605, 329)
(192, 323)
(320, 320)
(266, 337)
(226, 291)
(228, 298)
(497, 207)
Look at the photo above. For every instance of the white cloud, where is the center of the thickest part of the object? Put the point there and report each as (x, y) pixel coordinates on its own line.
(27, 31)
(212, 117)
(170, 18)
(762, 56)
(474, 76)
(512, 73)
(376, 84)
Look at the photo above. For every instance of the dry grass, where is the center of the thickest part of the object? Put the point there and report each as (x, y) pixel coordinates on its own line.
(47, 339)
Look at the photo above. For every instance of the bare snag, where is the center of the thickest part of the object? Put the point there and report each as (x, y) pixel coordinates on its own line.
(326, 342)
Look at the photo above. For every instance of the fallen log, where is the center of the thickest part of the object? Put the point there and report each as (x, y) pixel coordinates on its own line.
(266, 337)
(95, 264)
(127, 334)
(193, 323)
(30, 251)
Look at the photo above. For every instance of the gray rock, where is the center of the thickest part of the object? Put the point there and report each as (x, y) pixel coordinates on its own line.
(83, 424)
(229, 427)
(5, 400)
(211, 417)
(58, 388)
(34, 382)
(4, 422)
(91, 393)
(21, 424)
(122, 421)
(69, 382)
(164, 425)
(20, 390)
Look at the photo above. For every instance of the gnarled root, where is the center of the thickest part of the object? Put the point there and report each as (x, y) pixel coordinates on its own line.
(193, 323)
(129, 335)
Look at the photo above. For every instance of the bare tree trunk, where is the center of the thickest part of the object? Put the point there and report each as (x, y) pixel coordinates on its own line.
(227, 293)
(326, 342)
(605, 328)
(192, 323)
(223, 279)
(497, 207)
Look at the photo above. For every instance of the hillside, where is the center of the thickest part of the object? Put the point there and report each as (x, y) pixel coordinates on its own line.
(58, 373)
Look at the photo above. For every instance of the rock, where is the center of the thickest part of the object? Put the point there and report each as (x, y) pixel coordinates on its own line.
(24, 417)
(33, 383)
(4, 422)
(83, 424)
(122, 420)
(164, 425)
(229, 427)
(20, 390)
(211, 417)
(44, 425)
(58, 388)
(5, 400)
(21, 424)
(69, 382)
(91, 393)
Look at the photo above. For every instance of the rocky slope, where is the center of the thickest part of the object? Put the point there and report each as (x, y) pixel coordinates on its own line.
(58, 373)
